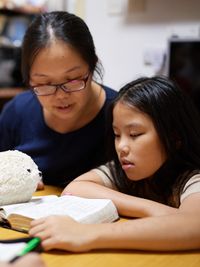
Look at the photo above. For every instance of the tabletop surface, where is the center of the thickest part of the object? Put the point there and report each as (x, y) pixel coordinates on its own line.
(111, 258)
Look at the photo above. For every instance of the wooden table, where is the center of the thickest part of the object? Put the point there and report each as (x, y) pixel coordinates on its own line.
(110, 258)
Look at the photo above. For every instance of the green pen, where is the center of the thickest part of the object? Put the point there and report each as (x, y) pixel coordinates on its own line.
(31, 245)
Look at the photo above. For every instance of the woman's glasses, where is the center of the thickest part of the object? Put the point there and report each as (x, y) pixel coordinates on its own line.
(68, 87)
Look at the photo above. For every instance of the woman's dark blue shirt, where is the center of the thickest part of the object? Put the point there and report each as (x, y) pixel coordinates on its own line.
(60, 157)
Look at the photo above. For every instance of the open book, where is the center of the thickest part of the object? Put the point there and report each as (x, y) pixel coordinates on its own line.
(19, 216)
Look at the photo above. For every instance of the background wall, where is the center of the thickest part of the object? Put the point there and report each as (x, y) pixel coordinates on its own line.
(131, 35)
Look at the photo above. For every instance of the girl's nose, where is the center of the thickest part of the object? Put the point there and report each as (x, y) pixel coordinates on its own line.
(123, 148)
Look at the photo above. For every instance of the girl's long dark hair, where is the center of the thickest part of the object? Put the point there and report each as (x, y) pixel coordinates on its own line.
(177, 122)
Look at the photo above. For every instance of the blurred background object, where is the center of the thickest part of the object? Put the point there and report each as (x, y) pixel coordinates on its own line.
(15, 16)
(135, 40)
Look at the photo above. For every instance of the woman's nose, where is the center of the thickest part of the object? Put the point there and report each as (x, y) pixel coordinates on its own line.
(60, 93)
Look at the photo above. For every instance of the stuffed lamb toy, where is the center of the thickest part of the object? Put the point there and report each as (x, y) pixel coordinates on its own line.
(19, 176)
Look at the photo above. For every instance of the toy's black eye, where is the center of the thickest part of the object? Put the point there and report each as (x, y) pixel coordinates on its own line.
(40, 174)
(28, 170)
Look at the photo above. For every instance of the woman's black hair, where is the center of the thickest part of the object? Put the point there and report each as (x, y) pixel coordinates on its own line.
(62, 26)
(177, 123)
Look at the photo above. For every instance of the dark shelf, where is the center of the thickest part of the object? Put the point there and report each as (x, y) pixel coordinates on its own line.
(12, 12)
(10, 54)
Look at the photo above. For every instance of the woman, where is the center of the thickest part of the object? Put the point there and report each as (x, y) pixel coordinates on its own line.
(60, 121)
(154, 176)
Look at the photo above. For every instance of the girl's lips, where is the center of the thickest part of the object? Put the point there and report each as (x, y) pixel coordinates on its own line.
(126, 166)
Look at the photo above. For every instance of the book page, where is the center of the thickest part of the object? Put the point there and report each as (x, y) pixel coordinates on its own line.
(9, 251)
(14, 208)
(81, 209)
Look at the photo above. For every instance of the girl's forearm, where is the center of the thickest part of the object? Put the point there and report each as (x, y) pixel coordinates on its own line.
(164, 233)
(127, 205)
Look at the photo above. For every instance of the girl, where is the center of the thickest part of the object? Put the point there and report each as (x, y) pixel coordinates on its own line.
(154, 176)
(60, 121)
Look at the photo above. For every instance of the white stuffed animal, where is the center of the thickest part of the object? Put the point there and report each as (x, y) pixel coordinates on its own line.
(19, 176)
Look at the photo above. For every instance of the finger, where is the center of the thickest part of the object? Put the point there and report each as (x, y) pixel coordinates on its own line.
(35, 230)
(55, 242)
(38, 221)
(43, 235)
(49, 244)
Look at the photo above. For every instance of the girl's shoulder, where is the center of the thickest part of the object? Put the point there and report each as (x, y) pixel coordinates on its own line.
(191, 186)
(104, 173)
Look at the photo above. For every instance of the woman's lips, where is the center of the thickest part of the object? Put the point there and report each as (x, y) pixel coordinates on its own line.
(64, 108)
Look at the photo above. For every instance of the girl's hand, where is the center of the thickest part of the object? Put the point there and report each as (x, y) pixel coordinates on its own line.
(62, 232)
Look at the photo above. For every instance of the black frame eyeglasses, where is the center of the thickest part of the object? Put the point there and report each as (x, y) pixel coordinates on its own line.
(68, 87)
